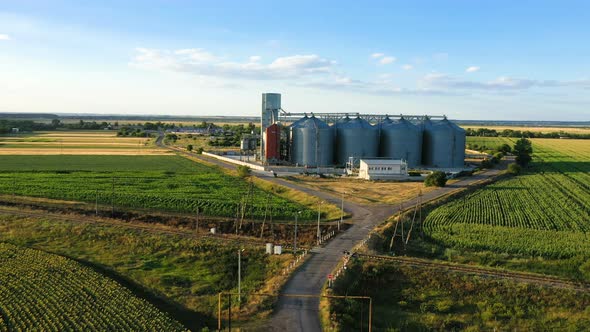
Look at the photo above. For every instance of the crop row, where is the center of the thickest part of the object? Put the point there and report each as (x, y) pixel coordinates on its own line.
(545, 211)
(40, 291)
(212, 194)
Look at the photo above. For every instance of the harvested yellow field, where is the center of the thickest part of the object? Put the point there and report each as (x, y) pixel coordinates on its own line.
(101, 152)
(365, 192)
(77, 143)
(573, 130)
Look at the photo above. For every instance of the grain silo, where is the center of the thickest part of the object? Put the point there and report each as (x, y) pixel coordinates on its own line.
(401, 140)
(443, 144)
(312, 142)
(459, 153)
(355, 138)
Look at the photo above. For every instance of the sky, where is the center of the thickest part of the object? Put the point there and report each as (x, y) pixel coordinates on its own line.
(480, 60)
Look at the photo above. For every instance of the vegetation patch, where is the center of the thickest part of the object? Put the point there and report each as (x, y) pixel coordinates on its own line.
(41, 291)
(424, 299)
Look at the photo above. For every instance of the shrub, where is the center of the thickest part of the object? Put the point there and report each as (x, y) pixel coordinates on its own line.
(243, 171)
(189, 147)
(514, 169)
(487, 163)
(505, 148)
(200, 150)
(436, 179)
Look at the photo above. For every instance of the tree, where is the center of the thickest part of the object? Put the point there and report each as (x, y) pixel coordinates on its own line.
(505, 148)
(243, 171)
(189, 147)
(514, 169)
(436, 179)
(523, 150)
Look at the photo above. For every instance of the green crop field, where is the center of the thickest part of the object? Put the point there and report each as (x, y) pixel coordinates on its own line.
(487, 143)
(168, 183)
(45, 292)
(188, 272)
(543, 212)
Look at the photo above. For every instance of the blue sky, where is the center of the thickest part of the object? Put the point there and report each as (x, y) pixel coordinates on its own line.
(513, 60)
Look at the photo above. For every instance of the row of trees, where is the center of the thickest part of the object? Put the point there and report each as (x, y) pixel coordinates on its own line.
(485, 132)
(30, 125)
(523, 151)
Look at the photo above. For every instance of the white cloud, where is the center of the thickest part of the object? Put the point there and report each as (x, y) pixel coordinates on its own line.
(377, 55)
(502, 83)
(407, 67)
(472, 69)
(200, 62)
(387, 60)
(4, 37)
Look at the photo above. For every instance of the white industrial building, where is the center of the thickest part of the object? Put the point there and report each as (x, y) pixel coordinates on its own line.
(382, 169)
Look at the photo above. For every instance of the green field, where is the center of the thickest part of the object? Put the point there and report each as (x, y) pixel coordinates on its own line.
(188, 272)
(487, 143)
(423, 299)
(167, 183)
(45, 292)
(543, 212)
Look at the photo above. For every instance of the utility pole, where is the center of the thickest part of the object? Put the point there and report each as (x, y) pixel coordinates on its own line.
(96, 203)
(197, 220)
(113, 200)
(295, 235)
(319, 216)
(341, 208)
(240, 275)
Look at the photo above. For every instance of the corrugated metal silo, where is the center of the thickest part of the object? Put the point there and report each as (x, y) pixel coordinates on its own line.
(402, 140)
(355, 138)
(459, 153)
(442, 144)
(312, 142)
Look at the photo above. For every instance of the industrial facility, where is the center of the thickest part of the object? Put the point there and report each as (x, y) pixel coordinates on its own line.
(313, 140)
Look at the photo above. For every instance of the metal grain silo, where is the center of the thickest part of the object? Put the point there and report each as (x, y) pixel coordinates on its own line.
(442, 144)
(401, 140)
(459, 153)
(312, 142)
(355, 138)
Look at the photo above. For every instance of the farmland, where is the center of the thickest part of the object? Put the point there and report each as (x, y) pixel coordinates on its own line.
(186, 272)
(364, 192)
(424, 299)
(487, 143)
(77, 143)
(544, 212)
(32, 298)
(164, 183)
(546, 129)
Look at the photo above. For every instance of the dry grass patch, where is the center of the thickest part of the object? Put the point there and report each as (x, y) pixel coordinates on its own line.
(573, 130)
(363, 191)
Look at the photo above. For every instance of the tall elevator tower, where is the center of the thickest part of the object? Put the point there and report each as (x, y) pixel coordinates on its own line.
(271, 104)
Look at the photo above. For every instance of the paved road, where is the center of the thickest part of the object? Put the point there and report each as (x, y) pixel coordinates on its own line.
(302, 314)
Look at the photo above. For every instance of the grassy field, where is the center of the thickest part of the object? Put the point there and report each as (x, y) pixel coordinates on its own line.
(44, 292)
(165, 183)
(488, 143)
(365, 192)
(423, 299)
(543, 212)
(187, 272)
(77, 143)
